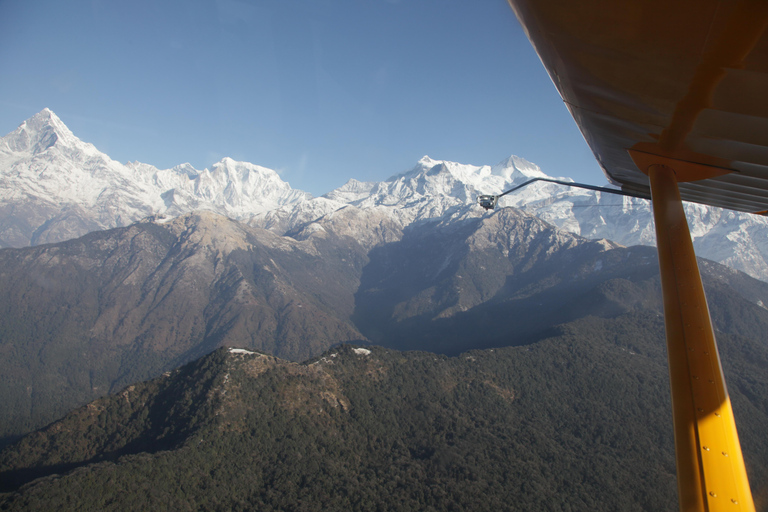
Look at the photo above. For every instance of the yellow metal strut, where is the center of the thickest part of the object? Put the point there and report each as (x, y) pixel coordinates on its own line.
(710, 468)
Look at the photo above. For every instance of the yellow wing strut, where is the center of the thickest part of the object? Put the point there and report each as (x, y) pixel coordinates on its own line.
(710, 468)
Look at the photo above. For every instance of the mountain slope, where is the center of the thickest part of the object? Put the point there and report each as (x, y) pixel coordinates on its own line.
(578, 421)
(738, 240)
(508, 278)
(88, 316)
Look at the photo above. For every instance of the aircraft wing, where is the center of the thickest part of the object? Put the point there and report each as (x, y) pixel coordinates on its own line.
(678, 82)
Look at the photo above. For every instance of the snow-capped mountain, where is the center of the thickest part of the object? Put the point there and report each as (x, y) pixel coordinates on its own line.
(436, 189)
(738, 240)
(54, 187)
(433, 189)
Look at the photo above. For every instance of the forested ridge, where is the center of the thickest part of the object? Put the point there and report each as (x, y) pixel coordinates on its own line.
(578, 421)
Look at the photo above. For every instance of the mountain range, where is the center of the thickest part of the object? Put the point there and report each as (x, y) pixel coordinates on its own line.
(543, 338)
(54, 187)
(86, 317)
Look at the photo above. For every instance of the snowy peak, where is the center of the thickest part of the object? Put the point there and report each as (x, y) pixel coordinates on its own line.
(42, 163)
(229, 170)
(515, 169)
(39, 133)
(441, 188)
(186, 169)
(448, 190)
(462, 172)
(351, 191)
(483, 179)
(245, 188)
(54, 187)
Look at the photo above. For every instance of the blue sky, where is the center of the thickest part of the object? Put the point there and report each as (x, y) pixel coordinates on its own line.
(319, 90)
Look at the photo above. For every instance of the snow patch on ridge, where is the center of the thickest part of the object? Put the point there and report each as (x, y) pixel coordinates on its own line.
(241, 351)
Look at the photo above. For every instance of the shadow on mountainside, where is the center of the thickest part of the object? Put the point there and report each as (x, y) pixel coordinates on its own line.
(432, 291)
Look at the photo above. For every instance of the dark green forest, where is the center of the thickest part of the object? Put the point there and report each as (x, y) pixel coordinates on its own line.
(578, 421)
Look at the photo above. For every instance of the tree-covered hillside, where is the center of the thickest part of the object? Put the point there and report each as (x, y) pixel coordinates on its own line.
(579, 421)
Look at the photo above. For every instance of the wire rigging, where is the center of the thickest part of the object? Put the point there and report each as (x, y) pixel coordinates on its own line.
(489, 202)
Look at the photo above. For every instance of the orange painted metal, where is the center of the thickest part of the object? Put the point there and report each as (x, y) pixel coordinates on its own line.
(685, 171)
(710, 467)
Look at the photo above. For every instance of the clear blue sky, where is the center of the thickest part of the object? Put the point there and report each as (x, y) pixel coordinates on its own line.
(319, 90)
